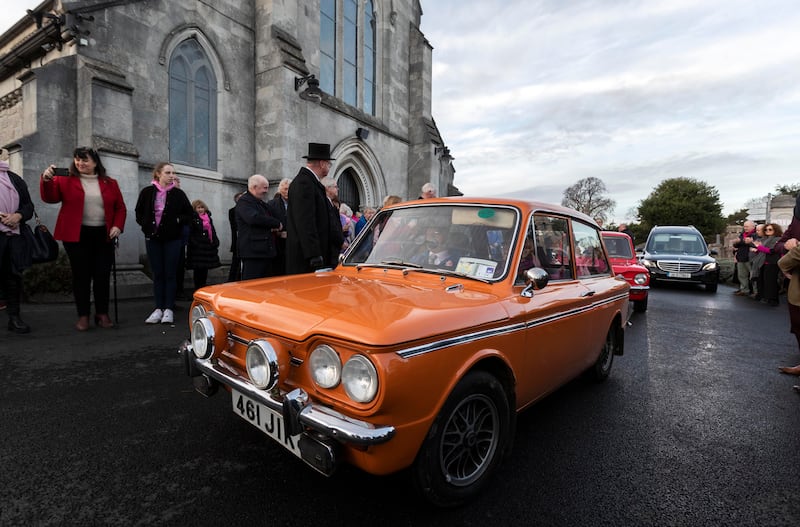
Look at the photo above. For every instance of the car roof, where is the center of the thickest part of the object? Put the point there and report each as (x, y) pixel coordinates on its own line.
(675, 228)
(613, 233)
(536, 206)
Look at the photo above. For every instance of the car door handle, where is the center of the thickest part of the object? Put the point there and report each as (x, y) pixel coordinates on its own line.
(587, 293)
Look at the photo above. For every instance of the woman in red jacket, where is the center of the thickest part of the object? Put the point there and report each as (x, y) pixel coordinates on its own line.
(91, 218)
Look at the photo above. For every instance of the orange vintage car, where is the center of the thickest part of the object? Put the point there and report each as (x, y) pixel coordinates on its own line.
(443, 320)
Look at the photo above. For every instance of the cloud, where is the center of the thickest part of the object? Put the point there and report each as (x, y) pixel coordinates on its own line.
(540, 94)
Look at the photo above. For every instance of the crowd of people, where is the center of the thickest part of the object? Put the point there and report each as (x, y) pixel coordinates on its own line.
(767, 262)
(268, 237)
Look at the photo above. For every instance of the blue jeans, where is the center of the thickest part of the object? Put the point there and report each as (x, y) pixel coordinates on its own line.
(163, 256)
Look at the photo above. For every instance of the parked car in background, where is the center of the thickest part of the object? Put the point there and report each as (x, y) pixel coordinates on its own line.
(445, 318)
(680, 254)
(625, 262)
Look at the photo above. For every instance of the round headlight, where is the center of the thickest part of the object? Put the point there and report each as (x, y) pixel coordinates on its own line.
(198, 311)
(360, 380)
(203, 338)
(326, 368)
(640, 279)
(262, 364)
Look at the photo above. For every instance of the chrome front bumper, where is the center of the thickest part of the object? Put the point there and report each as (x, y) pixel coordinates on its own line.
(299, 413)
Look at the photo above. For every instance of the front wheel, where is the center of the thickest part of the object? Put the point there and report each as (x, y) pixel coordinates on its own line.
(465, 442)
(640, 306)
(711, 288)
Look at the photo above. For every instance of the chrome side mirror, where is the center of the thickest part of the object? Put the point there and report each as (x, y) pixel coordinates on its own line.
(536, 278)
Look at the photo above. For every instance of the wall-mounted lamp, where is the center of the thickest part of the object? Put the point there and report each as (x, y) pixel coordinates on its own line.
(362, 133)
(312, 92)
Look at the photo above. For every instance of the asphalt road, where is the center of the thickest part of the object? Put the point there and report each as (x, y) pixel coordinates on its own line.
(695, 427)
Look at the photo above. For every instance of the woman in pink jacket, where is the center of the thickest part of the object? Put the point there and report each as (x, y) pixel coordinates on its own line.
(91, 218)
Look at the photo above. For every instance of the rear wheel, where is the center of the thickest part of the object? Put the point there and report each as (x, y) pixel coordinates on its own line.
(465, 442)
(602, 367)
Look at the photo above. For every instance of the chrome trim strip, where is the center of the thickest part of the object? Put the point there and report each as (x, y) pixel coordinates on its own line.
(480, 335)
(317, 417)
(239, 339)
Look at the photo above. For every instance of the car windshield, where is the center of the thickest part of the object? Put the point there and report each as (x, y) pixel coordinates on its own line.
(671, 243)
(618, 247)
(468, 240)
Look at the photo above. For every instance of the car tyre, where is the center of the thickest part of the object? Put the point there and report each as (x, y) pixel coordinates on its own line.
(466, 441)
(711, 288)
(602, 367)
(640, 306)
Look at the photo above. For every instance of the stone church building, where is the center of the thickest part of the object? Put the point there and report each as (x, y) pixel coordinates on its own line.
(223, 90)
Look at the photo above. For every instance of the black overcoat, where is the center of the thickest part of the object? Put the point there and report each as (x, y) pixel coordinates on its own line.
(278, 209)
(310, 227)
(254, 225)
(177, 213)
(202, 252)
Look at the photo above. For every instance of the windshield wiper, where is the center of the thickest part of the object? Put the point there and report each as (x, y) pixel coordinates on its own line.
(393, 262)
(399, 262)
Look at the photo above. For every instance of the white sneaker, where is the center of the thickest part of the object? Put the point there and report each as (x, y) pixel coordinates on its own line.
(168, 317)
(155, 317)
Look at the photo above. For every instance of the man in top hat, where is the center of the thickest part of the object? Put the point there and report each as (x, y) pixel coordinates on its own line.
(309, 242)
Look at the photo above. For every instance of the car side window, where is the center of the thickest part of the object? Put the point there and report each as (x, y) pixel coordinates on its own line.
(552, 246)
(590, 257)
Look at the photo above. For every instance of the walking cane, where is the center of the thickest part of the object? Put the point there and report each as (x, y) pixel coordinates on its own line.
(114, 278)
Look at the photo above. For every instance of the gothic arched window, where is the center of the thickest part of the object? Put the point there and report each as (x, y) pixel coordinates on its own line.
(369, 58)
(348, 52)
(192, 107)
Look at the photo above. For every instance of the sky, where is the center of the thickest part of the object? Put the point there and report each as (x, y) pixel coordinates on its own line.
(532, 96)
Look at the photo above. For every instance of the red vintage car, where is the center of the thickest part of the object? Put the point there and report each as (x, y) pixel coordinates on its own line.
(443, 320)
(623, 260)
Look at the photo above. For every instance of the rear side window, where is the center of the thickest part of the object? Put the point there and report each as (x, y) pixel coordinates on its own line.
(590, 258)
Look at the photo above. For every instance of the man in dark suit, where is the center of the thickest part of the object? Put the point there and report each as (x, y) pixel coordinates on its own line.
(235, 271)
(255, 230)
(309, 245)
(278, 207)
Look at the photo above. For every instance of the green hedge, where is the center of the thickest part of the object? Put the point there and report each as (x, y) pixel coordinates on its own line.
(51, 277)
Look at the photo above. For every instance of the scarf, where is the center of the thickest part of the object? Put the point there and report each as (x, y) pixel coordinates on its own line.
(161, 200)
(9, 197)
(207, 225)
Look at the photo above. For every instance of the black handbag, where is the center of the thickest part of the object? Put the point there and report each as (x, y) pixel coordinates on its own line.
(41, 244)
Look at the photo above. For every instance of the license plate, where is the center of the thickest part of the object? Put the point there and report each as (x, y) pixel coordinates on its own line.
(679, 275)
(268, 421)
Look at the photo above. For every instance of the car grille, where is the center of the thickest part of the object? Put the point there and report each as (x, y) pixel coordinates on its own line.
(679, 267)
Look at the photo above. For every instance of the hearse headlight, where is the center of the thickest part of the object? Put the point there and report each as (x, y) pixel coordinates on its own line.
(262, 364)
(648, 263)
(640, 279)
(360, 379)
(203, 338)
(198, 311)
(712, 266)
(326, 367)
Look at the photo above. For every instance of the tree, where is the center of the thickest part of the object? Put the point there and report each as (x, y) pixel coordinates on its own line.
(792, 190)
(738, 217)
(587, 196)
(684, 201)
